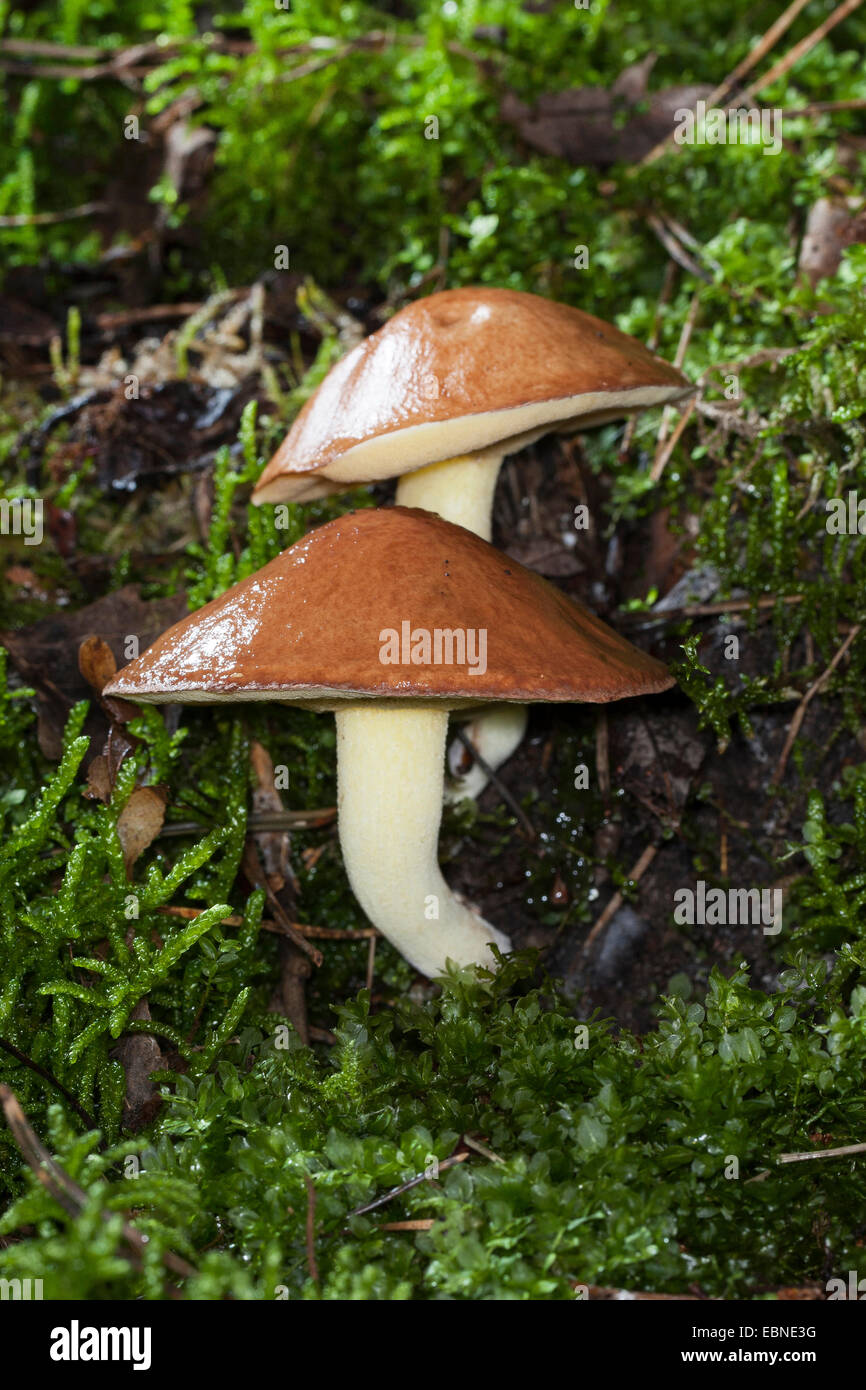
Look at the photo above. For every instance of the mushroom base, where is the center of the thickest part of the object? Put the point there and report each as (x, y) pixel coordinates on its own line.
(390, 767)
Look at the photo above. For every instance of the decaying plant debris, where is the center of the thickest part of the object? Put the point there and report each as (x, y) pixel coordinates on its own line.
(196, 1023)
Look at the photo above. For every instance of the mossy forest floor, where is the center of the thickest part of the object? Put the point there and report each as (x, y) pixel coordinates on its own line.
(240, 197)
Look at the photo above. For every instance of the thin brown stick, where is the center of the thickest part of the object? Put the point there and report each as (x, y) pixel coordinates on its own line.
(481, 1149)
(746, 64)
(64, 1189)
(52, 1081)
(822, 108)
(602, 755)
(254, 872)
(661, 458)
(47, 219)
(800, 712)
(675, 250)
(328, 933)
(311, 1229)
(842, 1152)
(616, 902)
(424, 1223)
(805, 46)
(495, 781)
(669, 280)
(39, 48)
(407, 1186)
(679, 358)
(371, 964)
(762, 47)
(130, 65)
(312, 932)
(705, 610)
(108, 323)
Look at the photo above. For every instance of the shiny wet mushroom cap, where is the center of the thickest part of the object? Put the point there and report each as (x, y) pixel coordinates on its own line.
(461, 374)
(341, 622)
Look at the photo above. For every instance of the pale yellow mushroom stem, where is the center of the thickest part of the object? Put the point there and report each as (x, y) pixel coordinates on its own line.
(459, 489)
(390, 766)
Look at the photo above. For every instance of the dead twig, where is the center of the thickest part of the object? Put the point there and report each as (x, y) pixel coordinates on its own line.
(668, 282)
(286, 820)
(679, 358)
(843, 1152)
(495, 781)
(311, 1229)
(406, 1186)
(800, 712)
(661, 458)
(481, 1149)
(371, 964)
(312, 932)
(65, 1190)
(254, 872)
(675, 250)
(616, 902)
(767, 41)
(48, 219)
(424, 1223)
(820, 108)
(52, 1081)
(800, 49)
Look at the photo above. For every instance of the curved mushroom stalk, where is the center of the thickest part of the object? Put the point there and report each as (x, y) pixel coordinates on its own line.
(458, 489)
(390, 769)
(495, 733)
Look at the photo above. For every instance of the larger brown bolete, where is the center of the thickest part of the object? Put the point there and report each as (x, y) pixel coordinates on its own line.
(339, 622)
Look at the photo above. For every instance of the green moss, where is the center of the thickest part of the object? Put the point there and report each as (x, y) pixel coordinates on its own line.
(618, 1157)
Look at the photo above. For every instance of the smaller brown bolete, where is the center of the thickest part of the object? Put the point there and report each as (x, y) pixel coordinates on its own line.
(451, 385)
(339, 622)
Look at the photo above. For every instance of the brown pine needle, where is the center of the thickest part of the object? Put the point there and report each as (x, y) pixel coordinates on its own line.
(803, 47)
(423, 1223)
(800, 712)
(65, 1190)
(311, 1229)
(313, 933)
(843, 1152)
(763, 46)
(616, 902)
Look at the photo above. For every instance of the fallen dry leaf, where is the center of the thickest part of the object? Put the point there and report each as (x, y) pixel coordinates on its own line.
(96, 662)
(139, 823)
(657, 756)
(169, 427)
(273, 845)
(140, 1055)
(99, 782)
(593, 125)
(832, 225)
(46, 656)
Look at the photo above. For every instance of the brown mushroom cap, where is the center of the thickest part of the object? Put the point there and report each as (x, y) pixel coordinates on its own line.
(308, 627)
(456, 373)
